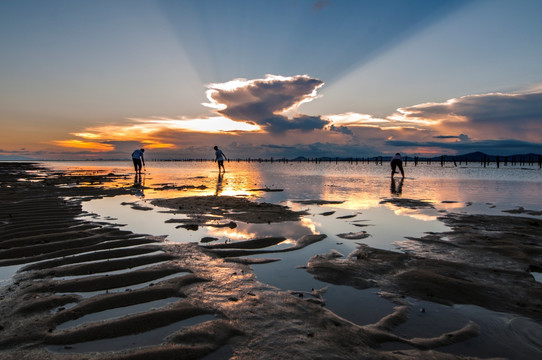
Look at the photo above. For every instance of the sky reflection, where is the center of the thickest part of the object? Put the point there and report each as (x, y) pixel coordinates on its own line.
(356, 198)
(363, 196)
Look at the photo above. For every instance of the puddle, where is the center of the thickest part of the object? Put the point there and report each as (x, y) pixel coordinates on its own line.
(117, 313)
(7, 273)
(89, 294)
(107, 252)
(509, 336)
(149, 338)
(108, 273)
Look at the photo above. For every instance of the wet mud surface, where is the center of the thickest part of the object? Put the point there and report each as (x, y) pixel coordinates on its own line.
(205, 297)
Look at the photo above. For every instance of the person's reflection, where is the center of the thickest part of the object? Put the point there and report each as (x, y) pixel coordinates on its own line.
(138, 185)
(396, 188)
(219, 183)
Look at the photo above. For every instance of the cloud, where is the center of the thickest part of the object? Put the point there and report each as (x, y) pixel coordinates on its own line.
(461, 137)
(266, 102)
(247, 113)
(341, 129)
(494, 115)
(494, 147)
(90, 146)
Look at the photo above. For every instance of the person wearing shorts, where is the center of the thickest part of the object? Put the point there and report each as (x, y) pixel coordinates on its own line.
(220, 157)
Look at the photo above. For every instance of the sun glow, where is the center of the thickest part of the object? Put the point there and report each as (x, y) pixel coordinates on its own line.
(354, 119)
(216, 124)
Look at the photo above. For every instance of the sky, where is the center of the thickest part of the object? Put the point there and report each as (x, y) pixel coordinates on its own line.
(96, 79)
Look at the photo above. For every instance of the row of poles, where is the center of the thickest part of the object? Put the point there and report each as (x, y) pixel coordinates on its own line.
(379, 160)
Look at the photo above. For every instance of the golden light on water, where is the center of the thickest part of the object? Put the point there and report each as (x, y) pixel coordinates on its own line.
(232, 234)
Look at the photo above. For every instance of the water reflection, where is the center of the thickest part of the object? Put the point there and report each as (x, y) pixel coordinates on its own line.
(219, 183)
(396, 187)
(139, 185)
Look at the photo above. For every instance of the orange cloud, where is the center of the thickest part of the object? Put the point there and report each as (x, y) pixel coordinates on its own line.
(87, 145)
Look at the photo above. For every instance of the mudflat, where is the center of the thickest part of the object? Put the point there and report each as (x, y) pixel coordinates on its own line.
(70, 268)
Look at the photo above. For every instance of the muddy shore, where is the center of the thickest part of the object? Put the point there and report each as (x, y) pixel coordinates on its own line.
(67, 264)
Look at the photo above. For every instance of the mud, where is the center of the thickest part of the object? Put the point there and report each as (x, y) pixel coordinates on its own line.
(230, 207)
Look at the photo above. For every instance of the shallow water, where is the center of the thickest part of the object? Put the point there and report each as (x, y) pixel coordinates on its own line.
(148, 338)
(360, 188)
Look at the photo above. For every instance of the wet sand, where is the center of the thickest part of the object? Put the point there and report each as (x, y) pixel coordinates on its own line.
(72, 267)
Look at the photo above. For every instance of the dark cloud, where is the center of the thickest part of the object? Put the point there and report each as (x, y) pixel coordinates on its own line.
(320, 149)
(341, 129)
(280, 147)
(491, 113)
(494, 147)
(461, 137)
(279, 124)
(263, 102)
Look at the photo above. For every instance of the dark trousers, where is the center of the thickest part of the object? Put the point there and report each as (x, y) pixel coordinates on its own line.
(137, 165)
(396, 163)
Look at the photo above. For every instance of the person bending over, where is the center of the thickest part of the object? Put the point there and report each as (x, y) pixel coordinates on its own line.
(137, 158)
(397, 162)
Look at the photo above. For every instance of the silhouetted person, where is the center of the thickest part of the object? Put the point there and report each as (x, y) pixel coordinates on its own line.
(397, 162)
(137, 158)
(396, 189)
(220, 157)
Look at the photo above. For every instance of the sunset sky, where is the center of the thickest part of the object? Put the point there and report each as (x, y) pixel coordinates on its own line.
(85, 79)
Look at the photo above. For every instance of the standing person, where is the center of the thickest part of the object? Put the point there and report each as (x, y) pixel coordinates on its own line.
(397, 161)
(220, 157)
(137, 158)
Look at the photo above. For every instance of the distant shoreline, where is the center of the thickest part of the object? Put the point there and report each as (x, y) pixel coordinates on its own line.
(530, 159)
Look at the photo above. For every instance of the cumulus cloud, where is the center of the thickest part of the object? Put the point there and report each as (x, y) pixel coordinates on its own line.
(265, 102)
